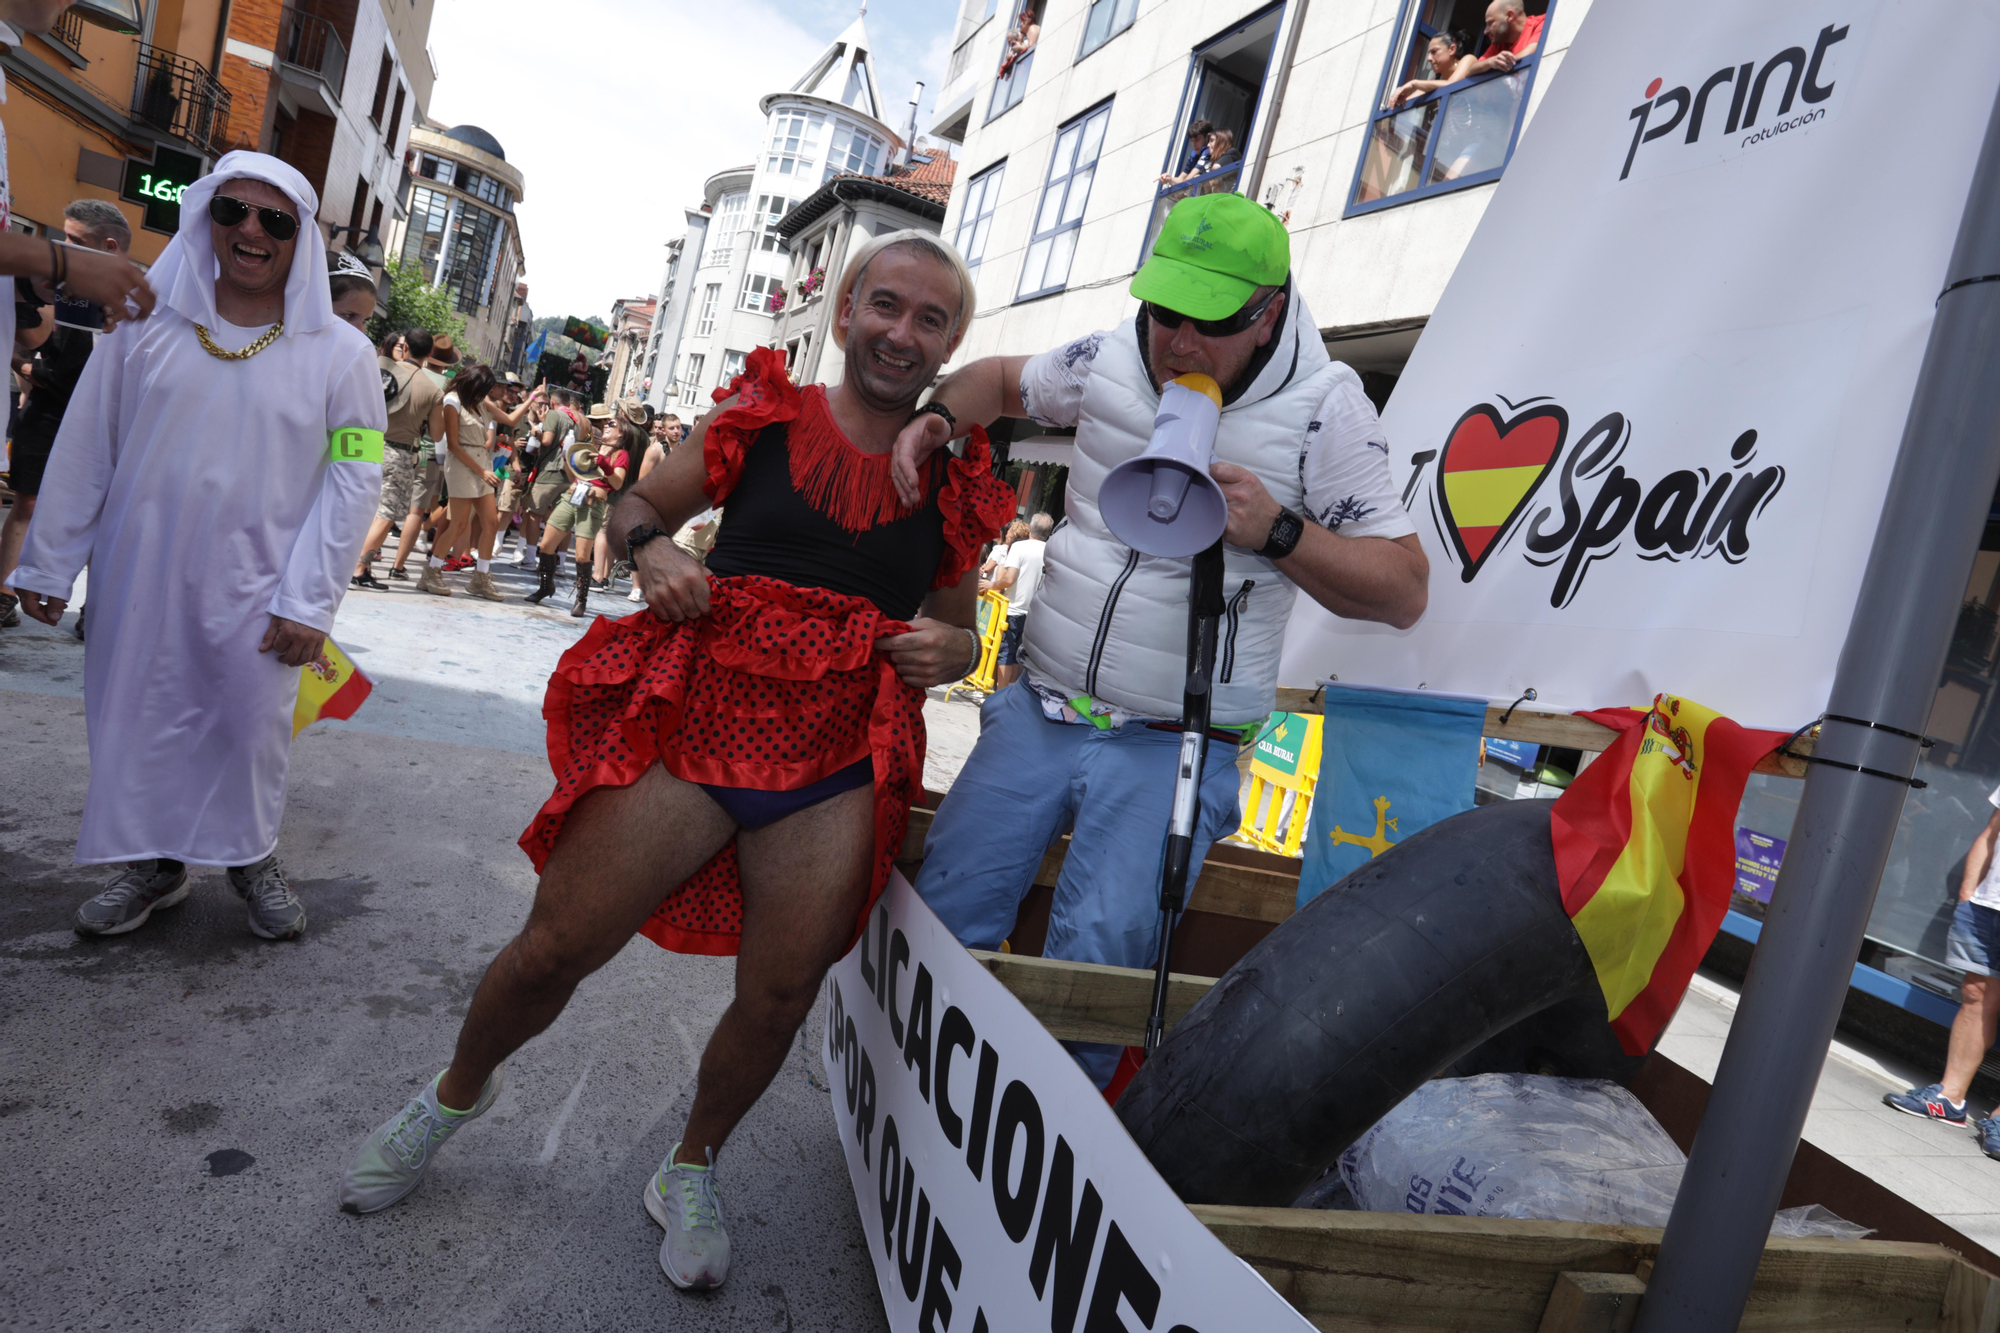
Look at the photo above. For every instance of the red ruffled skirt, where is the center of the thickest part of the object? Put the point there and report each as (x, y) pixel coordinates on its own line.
(775, 688)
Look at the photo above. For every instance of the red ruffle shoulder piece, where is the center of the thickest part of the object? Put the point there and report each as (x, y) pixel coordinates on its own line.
(764, 393)
(976, 506)
(775, 688)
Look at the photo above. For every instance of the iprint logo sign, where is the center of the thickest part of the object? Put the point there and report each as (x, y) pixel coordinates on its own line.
(1756, 101)
(1493, 469)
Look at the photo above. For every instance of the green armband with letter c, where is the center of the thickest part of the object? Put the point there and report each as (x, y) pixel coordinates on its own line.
(353, 444)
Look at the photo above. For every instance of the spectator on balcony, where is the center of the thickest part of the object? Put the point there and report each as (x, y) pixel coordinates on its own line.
(1027, 31)
(1512, 35)
(1196, 147)
(1450, 57)
(1221, 153)
(55, 361)
(1194, 162)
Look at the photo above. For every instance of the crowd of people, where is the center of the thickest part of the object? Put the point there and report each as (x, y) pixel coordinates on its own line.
(474, 459)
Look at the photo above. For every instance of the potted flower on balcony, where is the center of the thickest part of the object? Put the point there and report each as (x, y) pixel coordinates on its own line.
(775, 301)
(810, 285)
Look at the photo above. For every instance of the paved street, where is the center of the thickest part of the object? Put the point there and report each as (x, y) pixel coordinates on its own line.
(176, 1104)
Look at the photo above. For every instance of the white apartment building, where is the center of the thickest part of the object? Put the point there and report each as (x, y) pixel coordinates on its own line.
(1057, 199)
(729, 273)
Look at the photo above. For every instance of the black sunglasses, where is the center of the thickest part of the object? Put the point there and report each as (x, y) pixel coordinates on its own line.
(1213, 328)
(278, 224)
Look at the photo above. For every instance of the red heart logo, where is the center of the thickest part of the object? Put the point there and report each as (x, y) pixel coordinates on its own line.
(1489, 471)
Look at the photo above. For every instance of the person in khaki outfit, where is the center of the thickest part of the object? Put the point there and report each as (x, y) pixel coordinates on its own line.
(416, 403)
(470, 482)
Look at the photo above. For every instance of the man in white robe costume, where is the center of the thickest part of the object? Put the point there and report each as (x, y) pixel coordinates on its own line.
(220, 504)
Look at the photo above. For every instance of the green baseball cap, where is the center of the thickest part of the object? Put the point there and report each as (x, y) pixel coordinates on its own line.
(1212, 253)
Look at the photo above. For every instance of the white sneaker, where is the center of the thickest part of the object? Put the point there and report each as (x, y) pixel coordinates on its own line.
(682, 1199)
(393, 1160)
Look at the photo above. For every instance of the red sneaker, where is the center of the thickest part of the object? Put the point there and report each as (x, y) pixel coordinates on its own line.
(459, 562)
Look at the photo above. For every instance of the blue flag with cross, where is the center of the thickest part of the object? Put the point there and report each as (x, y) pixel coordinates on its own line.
(1392, 762)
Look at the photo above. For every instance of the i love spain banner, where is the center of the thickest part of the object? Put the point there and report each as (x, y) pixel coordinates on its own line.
(1646, 852)
(329, 686)
(1643, 439)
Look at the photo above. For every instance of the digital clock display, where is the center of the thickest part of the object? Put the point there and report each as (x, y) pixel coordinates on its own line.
(158, 186)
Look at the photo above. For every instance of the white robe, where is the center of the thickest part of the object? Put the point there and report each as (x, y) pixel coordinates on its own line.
(201, 494)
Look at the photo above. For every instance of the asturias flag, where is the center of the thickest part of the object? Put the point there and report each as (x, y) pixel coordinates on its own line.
(1392, 762)
(1646, 852)
(329, 686)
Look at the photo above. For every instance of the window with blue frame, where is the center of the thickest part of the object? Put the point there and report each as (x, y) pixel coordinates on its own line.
(1072, 167)
(1219, 106)
(1017, 57)
(1106, 19)
(975, 220)
(1450, 103)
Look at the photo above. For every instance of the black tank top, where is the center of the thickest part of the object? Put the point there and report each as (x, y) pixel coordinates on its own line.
(770, 529)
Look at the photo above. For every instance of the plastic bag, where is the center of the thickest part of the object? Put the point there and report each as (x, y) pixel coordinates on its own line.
(1522, 1145)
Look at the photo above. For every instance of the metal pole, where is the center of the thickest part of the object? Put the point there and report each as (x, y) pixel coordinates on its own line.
(1932, 518)
(1204, 621)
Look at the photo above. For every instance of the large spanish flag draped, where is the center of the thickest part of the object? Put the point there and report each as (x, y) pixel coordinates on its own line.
(1646, 852)
(329, 686)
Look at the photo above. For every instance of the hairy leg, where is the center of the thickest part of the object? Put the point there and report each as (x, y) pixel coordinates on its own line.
(378, 528)
(621, 849)
(804, 879)
(1972, 1032)
(412, 523)
(13, 533)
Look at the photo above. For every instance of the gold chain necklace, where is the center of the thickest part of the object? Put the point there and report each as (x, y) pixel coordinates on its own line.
(268, 337)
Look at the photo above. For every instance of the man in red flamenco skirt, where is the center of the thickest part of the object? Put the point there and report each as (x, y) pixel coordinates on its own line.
(734, 764)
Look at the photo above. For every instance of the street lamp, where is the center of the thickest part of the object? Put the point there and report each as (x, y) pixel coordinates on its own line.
(367, 244)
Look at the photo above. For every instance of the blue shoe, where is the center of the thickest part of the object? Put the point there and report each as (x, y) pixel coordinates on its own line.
(1989, 1137)
(1930, 1103)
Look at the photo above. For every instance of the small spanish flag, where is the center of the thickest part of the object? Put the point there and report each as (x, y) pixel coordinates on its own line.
(1646, 853)
(329, 686)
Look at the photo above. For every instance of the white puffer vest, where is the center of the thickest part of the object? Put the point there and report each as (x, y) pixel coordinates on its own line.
(1111, 622)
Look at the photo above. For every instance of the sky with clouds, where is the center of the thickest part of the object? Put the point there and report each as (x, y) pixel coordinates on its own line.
(616, 111)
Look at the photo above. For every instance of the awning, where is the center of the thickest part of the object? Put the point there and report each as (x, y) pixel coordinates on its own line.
(1043, 449)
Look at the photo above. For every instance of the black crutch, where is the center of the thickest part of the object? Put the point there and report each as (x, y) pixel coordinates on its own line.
(1204, 621)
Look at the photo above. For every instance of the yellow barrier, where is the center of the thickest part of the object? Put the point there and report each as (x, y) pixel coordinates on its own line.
(992, 624)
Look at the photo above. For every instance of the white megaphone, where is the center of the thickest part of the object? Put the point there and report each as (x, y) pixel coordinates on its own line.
(1164, 502)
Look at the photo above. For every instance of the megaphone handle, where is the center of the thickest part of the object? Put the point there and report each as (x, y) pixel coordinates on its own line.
(1205, 607)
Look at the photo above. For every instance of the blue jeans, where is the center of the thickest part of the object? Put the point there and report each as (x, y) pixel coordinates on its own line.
(1027, 780)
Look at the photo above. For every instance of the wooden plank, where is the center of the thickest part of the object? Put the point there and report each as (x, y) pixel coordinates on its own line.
(1348, 1270)
(1971, 1301)
(1090, 1001)
(1593, 1303)
(1227, 890)
(1564, 730)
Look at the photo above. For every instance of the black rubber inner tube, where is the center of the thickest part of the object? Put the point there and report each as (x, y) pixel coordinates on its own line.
(1435, 957)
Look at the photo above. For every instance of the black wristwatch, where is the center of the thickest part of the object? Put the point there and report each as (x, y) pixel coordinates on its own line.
(640, 535)
(1286, 529)
(937, 409)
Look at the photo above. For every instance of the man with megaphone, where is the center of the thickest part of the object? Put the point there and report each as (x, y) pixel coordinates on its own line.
(1213, 413)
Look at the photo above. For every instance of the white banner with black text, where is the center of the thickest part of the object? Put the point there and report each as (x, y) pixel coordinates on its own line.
(998, 1192)
(1646, 433)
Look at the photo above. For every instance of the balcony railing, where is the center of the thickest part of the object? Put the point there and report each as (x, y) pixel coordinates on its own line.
(1222, 180)
(1008, 88)
(309, 42)
(174, 94)
(67, 31)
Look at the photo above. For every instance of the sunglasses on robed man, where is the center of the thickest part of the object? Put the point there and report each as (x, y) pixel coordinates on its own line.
(278, 224)
(1213, 328)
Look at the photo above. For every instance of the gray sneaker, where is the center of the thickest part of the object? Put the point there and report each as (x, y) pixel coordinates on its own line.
(395, 1158)
(275, 911)
(682, 1199)
(130, 898)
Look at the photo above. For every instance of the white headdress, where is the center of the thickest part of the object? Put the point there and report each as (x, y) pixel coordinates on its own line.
(184, 276)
